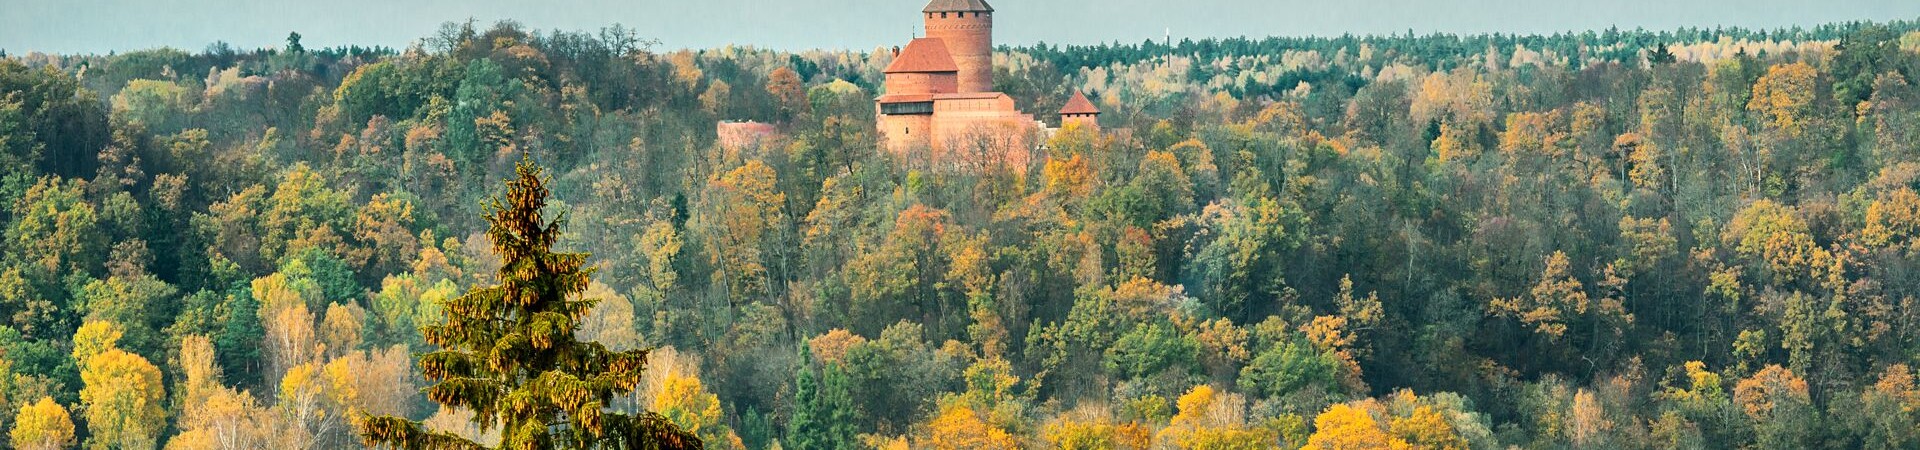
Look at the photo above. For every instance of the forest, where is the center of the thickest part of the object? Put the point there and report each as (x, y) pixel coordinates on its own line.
(1616, 239)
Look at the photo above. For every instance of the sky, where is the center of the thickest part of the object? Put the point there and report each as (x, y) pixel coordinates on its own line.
(100, 26)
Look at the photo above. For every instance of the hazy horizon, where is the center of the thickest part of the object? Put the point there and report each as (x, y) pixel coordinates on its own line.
(101, 26)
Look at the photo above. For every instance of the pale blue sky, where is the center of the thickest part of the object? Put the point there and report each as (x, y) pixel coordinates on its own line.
(70, 26)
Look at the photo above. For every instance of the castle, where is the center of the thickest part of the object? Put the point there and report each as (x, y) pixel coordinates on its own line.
(939, 94)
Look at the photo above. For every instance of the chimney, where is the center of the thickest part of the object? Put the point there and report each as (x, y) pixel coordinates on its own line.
(896, 51)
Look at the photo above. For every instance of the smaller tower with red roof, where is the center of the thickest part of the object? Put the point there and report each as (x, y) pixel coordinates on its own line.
(1080, 111)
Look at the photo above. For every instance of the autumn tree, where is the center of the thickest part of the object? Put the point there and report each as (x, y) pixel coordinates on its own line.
(685, 402)
(1559, 303)
(1091, 429)
(212, 416)
(43, 425)
(744, 216)
(1889, 408)
(509, 354)
(1210, 419)
(1779, 406)
(788, 91)
(1344, 427)
(960, 427)
(125, 401)
(1238, 263)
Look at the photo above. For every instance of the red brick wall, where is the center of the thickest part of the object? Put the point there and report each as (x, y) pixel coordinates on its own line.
(906, 132)
(1089, 121)
(922, 83)
(969, 37)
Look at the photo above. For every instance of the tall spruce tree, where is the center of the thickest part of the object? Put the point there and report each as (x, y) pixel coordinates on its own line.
(508, 351)
(836, 407)
(803, 428)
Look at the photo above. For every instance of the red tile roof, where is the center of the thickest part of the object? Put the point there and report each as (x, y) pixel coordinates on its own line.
(957, 5)
(1079, 105)
(924, 55)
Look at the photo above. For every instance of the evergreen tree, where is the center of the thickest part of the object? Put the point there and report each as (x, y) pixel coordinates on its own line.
(803, 428)
(823, 412)
(508, 351)
(835, 402)
(238, 343)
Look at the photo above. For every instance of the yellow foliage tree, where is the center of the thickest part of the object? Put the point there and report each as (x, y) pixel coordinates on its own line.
(1426, 428)
(1778, 403)
(1074, 434)
(1552, 303)
(228, 420)
(1587, 422)
(124, 400)
(303, 404)
(1209, 419)
(212, 416)
(201, 372)
(1785, 96)
(1534, 134)
(94, 338)
(832, 346)
(683, 400)
(43, 425)
(377, 383)
(1769, 391)
(1893, 220)
(341, 327)
(959, 427)
(1775, 235)
(745, 207)
(291, 339)
(1455, 143)
(1346, 427)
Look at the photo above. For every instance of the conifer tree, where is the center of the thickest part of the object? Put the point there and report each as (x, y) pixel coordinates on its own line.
(835, 404)
(823, 411)
(803, 429)
(508, 351)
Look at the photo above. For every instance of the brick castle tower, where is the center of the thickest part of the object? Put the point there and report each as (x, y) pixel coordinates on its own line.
(966, 26)
(939, 95)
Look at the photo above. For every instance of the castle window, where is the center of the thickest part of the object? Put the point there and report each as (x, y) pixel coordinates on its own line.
(943, 15)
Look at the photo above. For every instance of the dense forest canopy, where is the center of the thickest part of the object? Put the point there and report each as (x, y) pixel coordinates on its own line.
(1611, 239)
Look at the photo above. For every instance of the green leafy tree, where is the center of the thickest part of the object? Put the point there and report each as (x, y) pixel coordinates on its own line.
(1151, 349)
(1289, 365)
(508, 351)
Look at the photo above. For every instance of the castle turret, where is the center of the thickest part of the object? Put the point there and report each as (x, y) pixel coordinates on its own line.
(967, 28)
(1081, 111)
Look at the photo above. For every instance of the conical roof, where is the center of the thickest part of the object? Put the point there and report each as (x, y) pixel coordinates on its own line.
(1079, 105)
(958, 6)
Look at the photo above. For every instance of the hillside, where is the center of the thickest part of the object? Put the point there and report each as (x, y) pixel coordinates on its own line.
(1613, 239)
